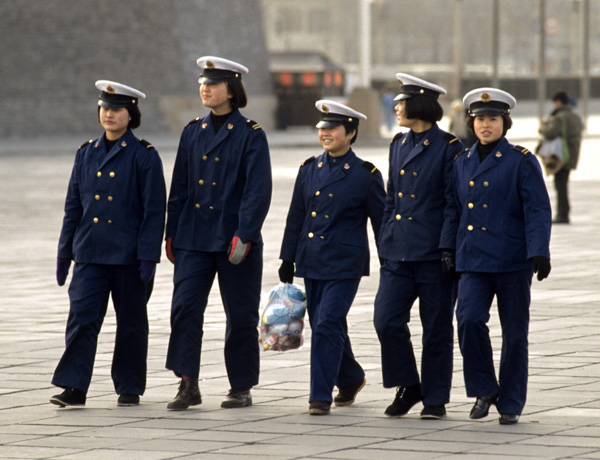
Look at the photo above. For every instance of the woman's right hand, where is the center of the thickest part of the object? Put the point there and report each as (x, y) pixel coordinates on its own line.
(169, 248)
(286, 272)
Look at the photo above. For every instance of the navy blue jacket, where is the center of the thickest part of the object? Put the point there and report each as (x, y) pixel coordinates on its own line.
(221, 185)
(326, 228)
(505, 214)
(420, 215)
(115, 206)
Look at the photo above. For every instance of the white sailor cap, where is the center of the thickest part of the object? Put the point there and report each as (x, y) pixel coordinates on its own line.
(488, 101)
(115, 95)
(216, 69)
(334, 114)
(412, 86)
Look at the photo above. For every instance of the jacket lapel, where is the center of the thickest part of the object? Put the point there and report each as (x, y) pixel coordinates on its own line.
(125, 140)
(328, 175)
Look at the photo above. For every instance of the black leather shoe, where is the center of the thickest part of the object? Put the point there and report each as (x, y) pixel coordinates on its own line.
(128, 400)
(508, 419)
(187, 395)
(406, 397)
(237, 397)
(433, 412)
(69, 397)
(560, 220)
(319, 407)
(347, 395)
(481, 408)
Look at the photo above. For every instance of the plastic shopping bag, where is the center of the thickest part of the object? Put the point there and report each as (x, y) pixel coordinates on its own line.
(282, 321)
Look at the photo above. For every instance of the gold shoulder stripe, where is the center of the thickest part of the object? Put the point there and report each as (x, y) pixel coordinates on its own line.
(307, 161)
(522, 149)
(369, 166)
(193, 121)
(85, 143)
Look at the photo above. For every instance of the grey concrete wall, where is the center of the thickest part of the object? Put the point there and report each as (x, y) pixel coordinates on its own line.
(54, 50)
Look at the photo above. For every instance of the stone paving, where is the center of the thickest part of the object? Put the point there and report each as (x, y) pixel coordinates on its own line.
(561, 418)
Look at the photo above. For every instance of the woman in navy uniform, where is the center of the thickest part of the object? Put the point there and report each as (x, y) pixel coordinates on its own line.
(113, 228)
(220, 195)
(418, 237)
(326, 237)
(503, 238)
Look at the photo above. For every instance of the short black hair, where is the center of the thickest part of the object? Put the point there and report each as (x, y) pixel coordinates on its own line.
(134, 113)
(423, 108)
(506, 123)
(239, 98)
(562, 96)
(349, 128)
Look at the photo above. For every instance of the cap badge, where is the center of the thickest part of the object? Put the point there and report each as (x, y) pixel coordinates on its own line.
(346, 166)
(229, 126)
(123, 144)
(426, 142)
(485, 97)
(209, 65)
(324, 109)
(110, 89)
(400, 81)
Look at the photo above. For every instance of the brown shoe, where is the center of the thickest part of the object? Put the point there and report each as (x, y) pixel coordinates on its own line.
(187, 395)
(319, 407)
(347, 395)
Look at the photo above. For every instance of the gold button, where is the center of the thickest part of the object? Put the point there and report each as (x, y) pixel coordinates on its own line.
(314, 214)
(402, 172)
(99, 174)
(485, 206)
(486, 184)
(217, 159)
(97, 197)
(470, 228)
(326, 216)
(471, 184)
(331, 195)
(110, 221)
(110, 198)
(410, 218)
(211, 208)
(112, 174)
(470, 205)
(310, 235)
(197, 206)
(398, 217)
(415, 174)
(317, 193)
(205, 158)
(214, 184)
(322, 237)
(201, 182)
(400, 194)
(413, 197)
(95, 220)
(484, 229)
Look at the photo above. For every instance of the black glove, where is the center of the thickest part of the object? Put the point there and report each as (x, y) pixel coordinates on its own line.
(449, 264)
(62, 270)
(286, 272)
(541, 266)
(147, 270)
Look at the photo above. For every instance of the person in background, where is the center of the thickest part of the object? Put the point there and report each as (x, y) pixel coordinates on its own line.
(503, 239)
(112, 228)
(417, 241)
(564, 122)
(458, 123)
(219, 198)
(326, 238)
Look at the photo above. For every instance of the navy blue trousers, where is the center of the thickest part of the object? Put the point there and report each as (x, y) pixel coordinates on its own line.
(89, 291)
(513, 293)
(240, 287)
(400, 284)
(332, 361)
